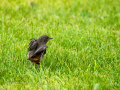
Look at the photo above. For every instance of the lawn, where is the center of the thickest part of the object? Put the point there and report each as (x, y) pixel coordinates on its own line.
(84, 53)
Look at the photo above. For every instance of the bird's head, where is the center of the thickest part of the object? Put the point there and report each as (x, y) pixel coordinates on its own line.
(44, 38)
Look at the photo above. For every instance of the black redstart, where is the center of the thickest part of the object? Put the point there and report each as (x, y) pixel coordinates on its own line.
(37, 49)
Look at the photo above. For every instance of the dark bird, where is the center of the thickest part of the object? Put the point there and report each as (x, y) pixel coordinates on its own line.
(37, 49)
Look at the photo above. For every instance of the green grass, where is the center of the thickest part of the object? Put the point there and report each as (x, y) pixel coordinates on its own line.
(84, 53)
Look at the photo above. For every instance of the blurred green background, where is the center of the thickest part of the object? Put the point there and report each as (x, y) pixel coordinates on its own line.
(84, 53)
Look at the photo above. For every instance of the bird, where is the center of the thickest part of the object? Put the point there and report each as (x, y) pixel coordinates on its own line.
(37, 49)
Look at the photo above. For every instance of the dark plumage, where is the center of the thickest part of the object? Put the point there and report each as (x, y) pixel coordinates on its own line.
(37, 49)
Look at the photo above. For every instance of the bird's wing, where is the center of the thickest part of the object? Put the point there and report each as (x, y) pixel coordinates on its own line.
(33, 44)
(40, 49)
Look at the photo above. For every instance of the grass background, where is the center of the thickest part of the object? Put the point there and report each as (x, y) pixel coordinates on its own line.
(85, 51)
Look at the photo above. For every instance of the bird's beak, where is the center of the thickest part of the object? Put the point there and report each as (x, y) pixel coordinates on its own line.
(50, 38)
